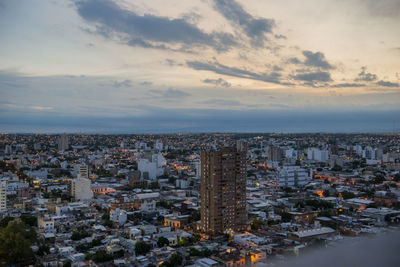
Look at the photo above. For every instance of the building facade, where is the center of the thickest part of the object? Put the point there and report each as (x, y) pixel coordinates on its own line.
(3, 198)
(80, 189)
(223, 190)
(293, 176)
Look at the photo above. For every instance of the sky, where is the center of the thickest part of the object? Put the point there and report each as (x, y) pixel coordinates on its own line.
(137, 66)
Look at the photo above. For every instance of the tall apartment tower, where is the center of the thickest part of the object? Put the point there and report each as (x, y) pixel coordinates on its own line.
(63, 142)
(81, 171)
(3, 198)
(223, 189)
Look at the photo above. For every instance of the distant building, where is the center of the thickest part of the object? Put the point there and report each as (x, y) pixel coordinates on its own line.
(292, 176)
(63, 142)
(118, 216)
(223, 189)
(147, 201)
(291, 154)
(8, 150)
(3, 199)
(80, 189)
(274, 153)
(152, 167)
(317, 154)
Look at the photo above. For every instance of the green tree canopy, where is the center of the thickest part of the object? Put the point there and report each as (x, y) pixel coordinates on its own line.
(15, 243)
(141, 248)
(162, 241)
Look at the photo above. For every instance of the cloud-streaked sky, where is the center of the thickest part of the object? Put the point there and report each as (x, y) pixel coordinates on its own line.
(203, 65)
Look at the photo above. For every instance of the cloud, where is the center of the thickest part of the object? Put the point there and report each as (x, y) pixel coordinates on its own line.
(217, 82)
(319, 76)
(383, 8)
(41, 108)
(366, 76)
(387, 84)
(316, 59)
(170, 93)
(221, 102)
(148, 30)
(146, 83)
(254, 28)
(273, 77)
(125, 83)
(348, 85)
(294, 60)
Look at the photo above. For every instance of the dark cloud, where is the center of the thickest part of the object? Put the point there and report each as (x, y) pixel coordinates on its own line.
(294, 60)
(254, 28)
(277, 68)
(273, 77)
(366, 76)
(387, 84)
(170, 93)
(125, 83)
(217, 82)
(316, 59)
(280, 36)
(148, 31)
(171, 62)
(348, 85)
(383, 8)
(319, 76)
(146, 83)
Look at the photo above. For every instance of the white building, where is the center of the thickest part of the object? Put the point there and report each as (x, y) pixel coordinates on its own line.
(118, 215)
(152, 169)
(3, 199)
(292, 176)
(81, 189)
(81, 171)
(148, 201)
(291, 153)
(159, 145)
(8, 150)
(317, 154)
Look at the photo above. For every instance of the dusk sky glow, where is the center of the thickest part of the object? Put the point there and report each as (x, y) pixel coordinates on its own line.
(133, 66)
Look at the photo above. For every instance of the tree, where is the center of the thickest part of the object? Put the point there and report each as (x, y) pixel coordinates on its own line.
(100, 256)
(141, 248)
(15, 243)
(337, 168)
(154, 185)
(4, 222)
(256, 224)
(194, 216)
(286, 217)
(162, 241)
(174, 260)
(348, 195)
(326, 193)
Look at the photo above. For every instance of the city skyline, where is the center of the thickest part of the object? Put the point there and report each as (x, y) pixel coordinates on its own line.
(199, 66)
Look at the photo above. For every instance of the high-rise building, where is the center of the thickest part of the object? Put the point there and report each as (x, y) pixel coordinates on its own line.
(223, 189)
(80, 189)
(3, 198)
(63, 142)
(81, 171)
